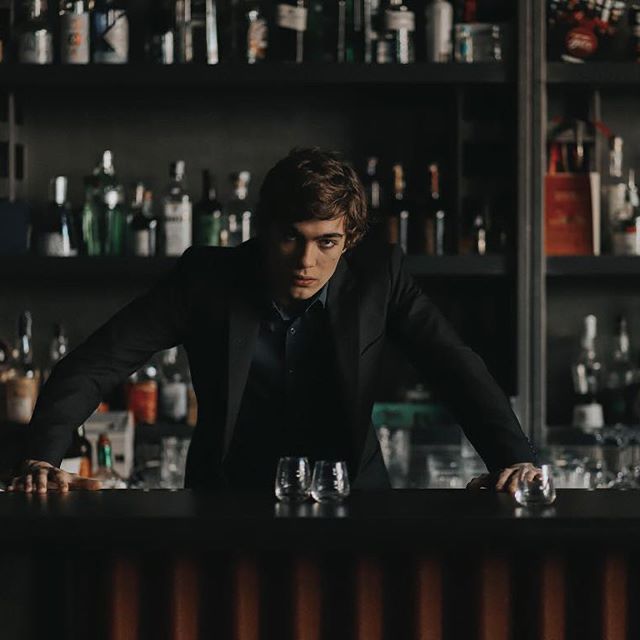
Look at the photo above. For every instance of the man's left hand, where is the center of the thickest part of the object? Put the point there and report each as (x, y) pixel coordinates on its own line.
(506, 479)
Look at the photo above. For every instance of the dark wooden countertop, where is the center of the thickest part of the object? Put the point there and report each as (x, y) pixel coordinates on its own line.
(396, 519)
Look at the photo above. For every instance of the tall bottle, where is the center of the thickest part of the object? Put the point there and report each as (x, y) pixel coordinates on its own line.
(91, 221)
(439, 28)
(398, 220)
(291, 25)
(177, 213)
(619, 377)
(183, 31)
(256, 34)
(35, 38)
(205, 31)
(208, 218)
(436, 217)
(22, 388)
(239, 215)
(372, 188)
(104, 181)
(400, 28)
(142, 225)
(56, 236)
(110, 36)
(587, 371)
(74, 32)
(160, 45)
(115, 225)
(106, 473)
(372, 27)
(173, 388)
(614, 189)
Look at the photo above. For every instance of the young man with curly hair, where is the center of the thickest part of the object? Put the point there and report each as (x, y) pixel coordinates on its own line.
(284, 337)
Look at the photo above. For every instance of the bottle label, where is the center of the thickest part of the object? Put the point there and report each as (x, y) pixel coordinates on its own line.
(173, 400)
(74, 38)
(143, 401)
(290, 17)
(56, 245)
(257, 40)
(21, 393)
(142, 243)
(112, 28)
(36, 47)
(177, 226)
(400, 20)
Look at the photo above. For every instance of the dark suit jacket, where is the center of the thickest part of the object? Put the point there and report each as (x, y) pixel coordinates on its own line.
(209, 303)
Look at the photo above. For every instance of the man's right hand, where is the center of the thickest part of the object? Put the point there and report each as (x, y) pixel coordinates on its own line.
(37, 476)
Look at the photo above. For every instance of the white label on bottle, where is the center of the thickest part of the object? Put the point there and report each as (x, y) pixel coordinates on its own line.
(290, 17)
(142, 243)
(173, 400)
(74, 38)
(117, 37)
(399, 20)
(36, 47)
(177, 226)
(71, 465)
(56, 245)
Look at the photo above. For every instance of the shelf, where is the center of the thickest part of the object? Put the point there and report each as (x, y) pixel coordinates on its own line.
(22, 268)
(597, 74)
(267, 75)
(593, 266)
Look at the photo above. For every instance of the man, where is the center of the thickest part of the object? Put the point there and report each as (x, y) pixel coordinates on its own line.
(284, 337)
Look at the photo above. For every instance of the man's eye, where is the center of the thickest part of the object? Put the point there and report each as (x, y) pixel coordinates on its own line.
(327, 243)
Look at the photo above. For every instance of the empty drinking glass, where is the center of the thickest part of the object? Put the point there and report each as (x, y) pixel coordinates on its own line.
(293, 479)
(539, 490)
(330, 482)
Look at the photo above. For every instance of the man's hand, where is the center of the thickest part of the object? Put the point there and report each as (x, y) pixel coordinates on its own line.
(507, 479)
(37, 476)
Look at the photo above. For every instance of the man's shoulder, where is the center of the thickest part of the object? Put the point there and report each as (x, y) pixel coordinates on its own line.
(372, 258)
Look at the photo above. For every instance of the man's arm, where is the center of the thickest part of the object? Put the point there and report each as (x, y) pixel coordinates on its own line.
(152, 322)
(455, 372)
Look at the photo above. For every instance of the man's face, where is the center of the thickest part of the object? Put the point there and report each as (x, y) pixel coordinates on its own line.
(303, 256)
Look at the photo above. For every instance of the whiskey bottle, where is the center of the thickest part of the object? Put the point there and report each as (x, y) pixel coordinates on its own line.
(142, 226)
(107, 475)
(74, 32)
(208, 219)
(110, 36)
(398, 220)
(291, 25)
(177, 213)
(56, 236)
(400, 26)
(35, 39)
(239, 215)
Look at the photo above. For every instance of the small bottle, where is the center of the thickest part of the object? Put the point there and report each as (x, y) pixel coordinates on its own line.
(35, 38)
(57, 236)
(398, 220)
(115, 225)
(177, 213)
(141, 224)
(400, 23)
(239, 215)
(439, 26)
(257, 34)
(173, 388)
(110, 35)
(291, 25)
(22, 387)
(208, 218)
(479, 236)
(372, 189)
(107, 475)
(74, 32)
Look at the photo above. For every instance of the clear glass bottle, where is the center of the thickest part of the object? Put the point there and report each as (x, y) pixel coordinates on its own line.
(400, 24)
(141, 224)
(587, 382)
(74, 32)
(35, 38)
(173, 388)
(239, 215)
(107, 475)
(56, 236)
(110, 32)
(177, 213)
(208, 218)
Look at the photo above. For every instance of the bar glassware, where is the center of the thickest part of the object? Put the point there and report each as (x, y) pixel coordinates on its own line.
(538, 491)
(293, 479)
(330, 481)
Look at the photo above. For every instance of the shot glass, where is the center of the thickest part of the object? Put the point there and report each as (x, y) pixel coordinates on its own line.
(330, 481)
(293, 479)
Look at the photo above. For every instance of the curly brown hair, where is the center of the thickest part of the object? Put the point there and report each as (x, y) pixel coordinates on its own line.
(312, 183)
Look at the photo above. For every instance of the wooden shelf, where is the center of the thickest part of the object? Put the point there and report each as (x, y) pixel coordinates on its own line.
(14, 76)
(22, 268)
(599, 74)
(593, 266)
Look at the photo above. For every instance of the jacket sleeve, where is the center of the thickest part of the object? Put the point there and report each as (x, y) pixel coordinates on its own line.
(154, 321)
(455, 372)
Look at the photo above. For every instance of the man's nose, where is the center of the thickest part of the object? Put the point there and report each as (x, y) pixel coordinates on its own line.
(307, 255)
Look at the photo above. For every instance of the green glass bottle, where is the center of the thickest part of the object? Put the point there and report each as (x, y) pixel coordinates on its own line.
(115, 225)
(208, 223)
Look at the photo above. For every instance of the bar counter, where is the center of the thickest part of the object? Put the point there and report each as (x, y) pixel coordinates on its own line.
(426, 565)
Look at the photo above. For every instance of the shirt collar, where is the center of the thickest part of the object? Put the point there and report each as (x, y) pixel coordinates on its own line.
(318, 299)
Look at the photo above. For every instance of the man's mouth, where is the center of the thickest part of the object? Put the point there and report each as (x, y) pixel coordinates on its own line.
(303, 281)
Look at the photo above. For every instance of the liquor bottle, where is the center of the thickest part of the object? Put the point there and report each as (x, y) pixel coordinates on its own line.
(319, 46)
(204, 31)
(436, 214)
(142, 395)
(160, 45)
(439, 26)
(115, 225)
(177, 214)
(400, 26)
(371, 27)
(58, 349)
(587, 370)
(372, 189)
(56, 236)
(103, 181)
(77, 459)
(626, 225)
(257, 34)
(173, 388)
(141, 224)
(208, 218)
(110, 36)
(239, 215)
(479, 235)
(90, 221)
(614, 189)
(291, 25)
(35, 39)
(398, 220)
(22, 387)
(74, 32)
(618, 378)
(183, 32)
(107, 475)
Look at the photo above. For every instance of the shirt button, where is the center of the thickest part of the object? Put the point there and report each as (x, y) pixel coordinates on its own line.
(292, 331)
(291, 371)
